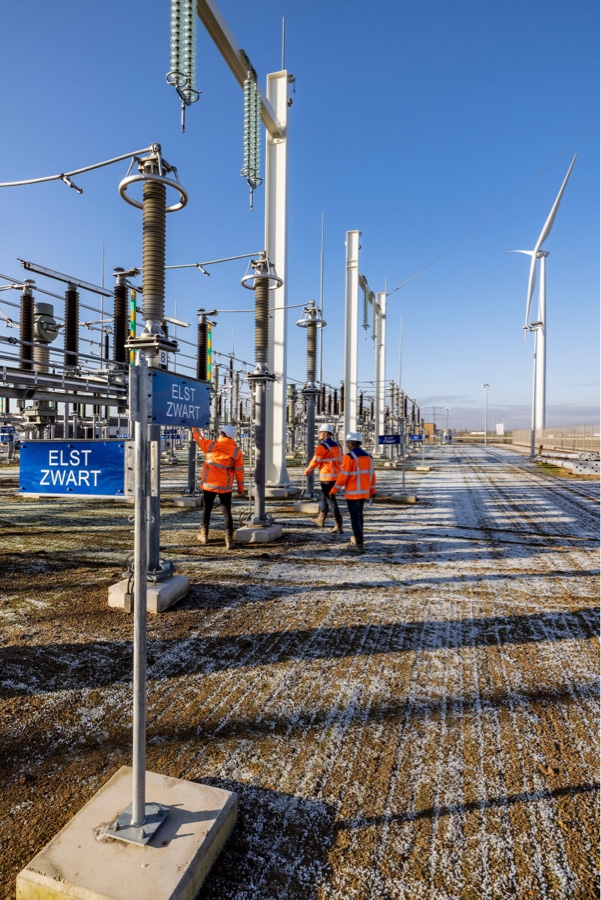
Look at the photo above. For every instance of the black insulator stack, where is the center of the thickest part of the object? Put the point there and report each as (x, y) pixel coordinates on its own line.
(361, 403)
(404, 407)
(120, 323)
(261, 319)
(329, 403)
(342, 396)
(322, 399)
(71, 326)
(201, 362)
(336, 407)
(26, 350)
(371, 409)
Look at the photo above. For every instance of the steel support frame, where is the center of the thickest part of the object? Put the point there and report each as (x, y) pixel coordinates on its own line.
(380, 374)
(351, 330)
(276, 245)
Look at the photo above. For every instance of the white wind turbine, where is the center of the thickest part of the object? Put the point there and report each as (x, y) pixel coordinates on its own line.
(540, 351)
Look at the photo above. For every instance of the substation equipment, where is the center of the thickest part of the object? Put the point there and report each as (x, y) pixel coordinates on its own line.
(311, 320)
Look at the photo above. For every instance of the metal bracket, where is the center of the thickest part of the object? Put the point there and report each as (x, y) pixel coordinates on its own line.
(123, 830)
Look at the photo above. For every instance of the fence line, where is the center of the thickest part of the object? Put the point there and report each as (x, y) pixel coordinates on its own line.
(583, 438)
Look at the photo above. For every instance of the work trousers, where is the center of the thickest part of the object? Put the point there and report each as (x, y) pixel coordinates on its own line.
(355, 511)
(226, 504)
(327, 501)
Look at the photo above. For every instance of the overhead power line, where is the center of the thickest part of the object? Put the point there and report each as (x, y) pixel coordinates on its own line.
(494, 212)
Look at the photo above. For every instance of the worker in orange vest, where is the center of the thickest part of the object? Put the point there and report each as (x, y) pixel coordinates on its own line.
(222, 466)
(327, 458)
(358, 479)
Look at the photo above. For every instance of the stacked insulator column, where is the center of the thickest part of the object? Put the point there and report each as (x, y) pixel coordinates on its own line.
(71, 326)
(26, 328)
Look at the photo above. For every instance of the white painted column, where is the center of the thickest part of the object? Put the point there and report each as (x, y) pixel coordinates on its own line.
(276, 213)
(380, 372)
(541, 354)
(351, 330)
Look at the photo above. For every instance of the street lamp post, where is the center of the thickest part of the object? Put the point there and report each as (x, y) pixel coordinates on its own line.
(486, 387)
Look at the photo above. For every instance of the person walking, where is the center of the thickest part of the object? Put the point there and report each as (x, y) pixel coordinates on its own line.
(358, 478)
(327, 458)
(223, 464)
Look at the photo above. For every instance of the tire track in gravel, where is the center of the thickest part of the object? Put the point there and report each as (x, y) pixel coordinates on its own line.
(539, 858)
(303, 758)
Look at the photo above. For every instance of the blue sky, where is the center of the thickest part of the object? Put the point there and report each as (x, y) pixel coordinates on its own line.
(411, 123)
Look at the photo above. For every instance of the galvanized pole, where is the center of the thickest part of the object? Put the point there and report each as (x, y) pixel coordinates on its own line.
(259, 278)
(140, 407)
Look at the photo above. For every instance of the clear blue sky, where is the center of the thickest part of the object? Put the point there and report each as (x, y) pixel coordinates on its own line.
(411, 122)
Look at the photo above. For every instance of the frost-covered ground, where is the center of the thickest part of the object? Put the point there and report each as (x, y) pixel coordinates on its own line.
(417, 722)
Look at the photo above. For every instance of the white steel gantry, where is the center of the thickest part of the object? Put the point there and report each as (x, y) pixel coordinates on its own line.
(351, 331)
(380, 312)
(274, 115)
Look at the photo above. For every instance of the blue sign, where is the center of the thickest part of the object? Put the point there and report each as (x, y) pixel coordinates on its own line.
(389, 439)
(416, 437)
(72, 468)
(179, 401)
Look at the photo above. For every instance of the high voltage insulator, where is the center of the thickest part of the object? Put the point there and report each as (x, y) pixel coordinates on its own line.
(182, 73)
(251, 170)
(366, 300)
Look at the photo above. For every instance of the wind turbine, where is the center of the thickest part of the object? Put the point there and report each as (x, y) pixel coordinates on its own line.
(539, 254)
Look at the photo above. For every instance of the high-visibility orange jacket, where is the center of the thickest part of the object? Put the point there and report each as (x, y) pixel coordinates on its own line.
(357, 476)
(223, 464)
(328, 455)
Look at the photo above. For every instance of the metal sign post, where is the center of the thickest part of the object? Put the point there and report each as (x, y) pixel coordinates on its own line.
(140, 820)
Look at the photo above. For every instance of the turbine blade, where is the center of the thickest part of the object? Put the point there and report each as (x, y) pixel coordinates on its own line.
(551, 218)
(531, 285)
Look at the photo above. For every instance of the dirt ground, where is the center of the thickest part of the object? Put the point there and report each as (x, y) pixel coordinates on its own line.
(417, 722)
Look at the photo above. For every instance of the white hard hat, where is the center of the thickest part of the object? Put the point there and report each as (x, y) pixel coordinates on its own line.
(328, 428)
(354, 436)
(229, 431)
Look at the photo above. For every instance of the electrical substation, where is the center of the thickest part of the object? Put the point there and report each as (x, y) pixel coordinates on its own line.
(100, 392)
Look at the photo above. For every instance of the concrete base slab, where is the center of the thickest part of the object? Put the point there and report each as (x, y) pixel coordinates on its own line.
(258, 534)
(191, 502)
(309, 507)
(276, 493)
(81, 863)
(422, 468)
(403, 498)
(160, 596)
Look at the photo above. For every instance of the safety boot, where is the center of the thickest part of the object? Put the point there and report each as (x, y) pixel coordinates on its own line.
(337, 529)
(229, 539)
(203, 534)
(356, 545)
(321, 518)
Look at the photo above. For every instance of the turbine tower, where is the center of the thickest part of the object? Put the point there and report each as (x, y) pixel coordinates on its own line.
(539, 254)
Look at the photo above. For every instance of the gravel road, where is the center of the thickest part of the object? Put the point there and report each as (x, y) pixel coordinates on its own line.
(417, 722)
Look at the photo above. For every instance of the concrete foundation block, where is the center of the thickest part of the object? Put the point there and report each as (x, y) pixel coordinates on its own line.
(309, 507)
(403, 498)
(81, 863)
(422, 468)
(160, 596)
(276, 493)
(259, 534)
(188, 501)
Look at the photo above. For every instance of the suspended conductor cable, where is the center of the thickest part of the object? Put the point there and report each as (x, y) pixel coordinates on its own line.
(65, 176)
